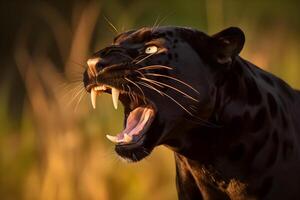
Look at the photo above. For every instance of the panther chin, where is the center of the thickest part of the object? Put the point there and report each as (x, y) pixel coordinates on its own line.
(139, 115)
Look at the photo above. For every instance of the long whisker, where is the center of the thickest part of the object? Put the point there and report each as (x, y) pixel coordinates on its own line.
(151, 87)
(164, 94)
(148, 56)
(127, 79)
(130, 93)
(169, 86)
(164, 18)
(151, 81)
(75, 96)
(179, 104)
(173, 78)
(155, 23)
(69, 88)
(137, 58)
(77, 93)
(140, 73)
(72, 91)
(158, 52)
(79, 99)
(155, 67)
(109, 22)
(77, 63)
(209, 124)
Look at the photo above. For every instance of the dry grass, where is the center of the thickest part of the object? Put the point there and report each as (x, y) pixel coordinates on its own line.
(71, 158)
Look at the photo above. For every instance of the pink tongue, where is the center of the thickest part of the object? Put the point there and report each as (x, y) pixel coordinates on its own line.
(137, 121)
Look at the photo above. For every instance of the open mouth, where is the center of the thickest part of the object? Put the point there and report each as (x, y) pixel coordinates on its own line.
(139, 113)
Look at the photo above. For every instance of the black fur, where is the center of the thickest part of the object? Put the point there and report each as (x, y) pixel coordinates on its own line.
(240, 140)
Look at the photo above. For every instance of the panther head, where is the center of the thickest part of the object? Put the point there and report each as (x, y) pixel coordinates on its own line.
(166, 80)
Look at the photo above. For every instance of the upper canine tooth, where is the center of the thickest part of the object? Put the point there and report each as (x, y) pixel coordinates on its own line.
(115, 97)
(113, 139)
(93, 97)
(127, 138)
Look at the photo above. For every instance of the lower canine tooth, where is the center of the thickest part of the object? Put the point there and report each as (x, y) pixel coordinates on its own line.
(93, 97)
(127, 138)
(115, 97)
(113, 139)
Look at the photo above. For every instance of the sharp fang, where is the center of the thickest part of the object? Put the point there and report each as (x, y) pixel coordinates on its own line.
(127, 138)
(93, 97)
(113, 139)
(115, 97)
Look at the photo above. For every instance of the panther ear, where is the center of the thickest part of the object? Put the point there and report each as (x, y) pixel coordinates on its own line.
(228, 44)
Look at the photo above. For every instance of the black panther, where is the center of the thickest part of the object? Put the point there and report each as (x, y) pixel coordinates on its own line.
(233, 127)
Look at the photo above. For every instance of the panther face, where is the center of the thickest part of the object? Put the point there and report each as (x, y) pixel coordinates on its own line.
(165, 78)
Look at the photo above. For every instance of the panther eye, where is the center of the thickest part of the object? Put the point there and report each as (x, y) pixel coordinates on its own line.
(151, 49)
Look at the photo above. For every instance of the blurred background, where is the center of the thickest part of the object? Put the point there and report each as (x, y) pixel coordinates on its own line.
(52, 143)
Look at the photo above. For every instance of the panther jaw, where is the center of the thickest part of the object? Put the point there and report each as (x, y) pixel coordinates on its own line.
(138, 121)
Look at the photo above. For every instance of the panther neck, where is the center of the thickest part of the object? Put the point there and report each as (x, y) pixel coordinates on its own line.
(252, 122)
(240, 115)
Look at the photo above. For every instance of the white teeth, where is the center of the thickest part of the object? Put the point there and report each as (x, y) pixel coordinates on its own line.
(94, 91)
(114, 139)
(93, 97)
(127, 138)
(100, 88)
(115, 97)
